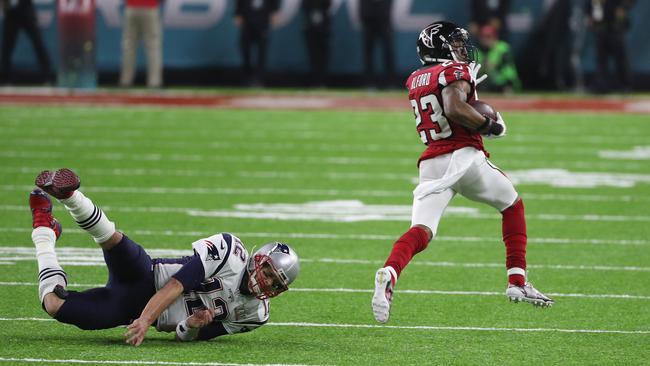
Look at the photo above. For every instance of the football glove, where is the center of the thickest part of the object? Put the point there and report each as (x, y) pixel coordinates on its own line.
(474, 67)
(500, 122)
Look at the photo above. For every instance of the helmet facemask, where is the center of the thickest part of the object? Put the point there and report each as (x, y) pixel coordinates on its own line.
(266, 280)
(460, 46)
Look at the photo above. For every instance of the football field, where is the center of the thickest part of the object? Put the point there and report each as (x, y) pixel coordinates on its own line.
(336, 185)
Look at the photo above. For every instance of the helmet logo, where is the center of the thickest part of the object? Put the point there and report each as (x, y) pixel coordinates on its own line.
(426, 36)
(435, 28)
(280, 247)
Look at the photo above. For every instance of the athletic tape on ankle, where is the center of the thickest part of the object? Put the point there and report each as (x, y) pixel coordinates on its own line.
(516, 271)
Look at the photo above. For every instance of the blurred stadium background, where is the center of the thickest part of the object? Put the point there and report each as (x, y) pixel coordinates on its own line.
(550, 40)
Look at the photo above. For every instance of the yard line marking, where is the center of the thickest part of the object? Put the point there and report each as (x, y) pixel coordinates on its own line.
(262, 144)
(373, 237)
(316, 192)
(81, 256)
(133, 362)
(480, 265)
(473, 293)
(331, 211)
(299, 160)
(401, 291)
(418, 327)
(637, 153)
(552, 177)
(430, 327)
(211, 173)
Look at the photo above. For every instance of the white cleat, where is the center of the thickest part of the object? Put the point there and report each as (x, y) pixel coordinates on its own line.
(528, 294)
(381, 300)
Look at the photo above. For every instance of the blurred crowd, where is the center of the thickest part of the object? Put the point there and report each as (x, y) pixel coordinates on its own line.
(551, 59)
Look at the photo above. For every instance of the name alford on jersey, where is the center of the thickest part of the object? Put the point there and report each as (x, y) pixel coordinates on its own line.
(421, 80)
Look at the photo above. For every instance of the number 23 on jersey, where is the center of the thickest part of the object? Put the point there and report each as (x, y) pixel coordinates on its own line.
(432, 125)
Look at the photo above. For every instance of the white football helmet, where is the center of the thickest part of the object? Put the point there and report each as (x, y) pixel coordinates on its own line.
(271, 270)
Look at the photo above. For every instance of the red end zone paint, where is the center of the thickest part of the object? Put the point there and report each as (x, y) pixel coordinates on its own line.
(279, 101)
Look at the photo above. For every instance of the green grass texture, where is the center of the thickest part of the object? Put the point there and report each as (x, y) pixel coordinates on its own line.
(158, 171)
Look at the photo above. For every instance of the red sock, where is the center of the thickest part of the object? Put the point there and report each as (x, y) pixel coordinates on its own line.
(514, 236)
(411, 243)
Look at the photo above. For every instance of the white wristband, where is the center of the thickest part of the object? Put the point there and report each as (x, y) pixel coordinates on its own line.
(186, 333)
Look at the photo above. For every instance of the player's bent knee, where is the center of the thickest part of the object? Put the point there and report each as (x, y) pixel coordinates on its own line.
(426, 229)
(115, 239)
(52, 303)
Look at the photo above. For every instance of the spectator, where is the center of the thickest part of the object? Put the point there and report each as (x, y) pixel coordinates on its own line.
(22, 14)
(376, 23)
(142, 22)
(609, 20)
(255, 18)
(490, 12)
(317, 31)
(495, 55)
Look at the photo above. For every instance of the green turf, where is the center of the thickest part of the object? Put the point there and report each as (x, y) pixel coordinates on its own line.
(215, 159)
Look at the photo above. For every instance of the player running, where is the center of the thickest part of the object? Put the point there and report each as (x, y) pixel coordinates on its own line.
(454, 161)
(216, 291)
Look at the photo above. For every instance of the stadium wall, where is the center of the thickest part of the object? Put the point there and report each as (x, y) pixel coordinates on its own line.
(201, 35)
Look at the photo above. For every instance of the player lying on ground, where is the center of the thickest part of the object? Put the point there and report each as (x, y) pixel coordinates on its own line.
(454, 161)
(218, 290)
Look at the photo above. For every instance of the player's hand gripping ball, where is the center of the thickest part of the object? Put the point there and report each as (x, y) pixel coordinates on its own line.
(489, 111)
(484, 109)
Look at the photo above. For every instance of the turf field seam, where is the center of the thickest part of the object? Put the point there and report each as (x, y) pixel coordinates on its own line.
(401, 291)
(370, 237)
(420, 327)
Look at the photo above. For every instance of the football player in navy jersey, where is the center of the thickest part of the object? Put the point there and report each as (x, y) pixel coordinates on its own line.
(454, 161)
(218, 290)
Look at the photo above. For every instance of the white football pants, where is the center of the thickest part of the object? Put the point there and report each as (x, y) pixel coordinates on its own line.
(466, 171)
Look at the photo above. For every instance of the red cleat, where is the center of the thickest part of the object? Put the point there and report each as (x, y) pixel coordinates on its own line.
(41, 207)
(60, 184)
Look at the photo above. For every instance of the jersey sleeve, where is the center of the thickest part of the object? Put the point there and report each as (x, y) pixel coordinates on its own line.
(214, 252)
(455, 72)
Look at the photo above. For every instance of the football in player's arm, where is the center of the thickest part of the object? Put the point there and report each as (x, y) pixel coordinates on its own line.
(218, 290)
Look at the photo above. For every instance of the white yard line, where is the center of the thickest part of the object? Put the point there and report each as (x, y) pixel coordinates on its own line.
(419, 327)
(401, 291)
(81, 256)
(482, 329)
(269, 212)
(128, 362)
(554, 177)
(299, 160)
(368, 237)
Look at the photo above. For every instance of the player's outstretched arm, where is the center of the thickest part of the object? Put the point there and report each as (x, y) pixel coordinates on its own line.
(137, 330)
